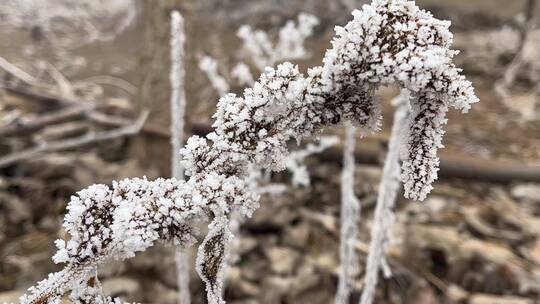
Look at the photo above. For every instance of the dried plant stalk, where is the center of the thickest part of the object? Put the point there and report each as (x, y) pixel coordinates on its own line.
(178, 113)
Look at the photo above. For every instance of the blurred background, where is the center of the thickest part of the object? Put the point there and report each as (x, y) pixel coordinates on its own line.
(75, 76)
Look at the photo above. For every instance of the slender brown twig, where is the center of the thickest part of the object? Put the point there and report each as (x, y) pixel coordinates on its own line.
(74, 143)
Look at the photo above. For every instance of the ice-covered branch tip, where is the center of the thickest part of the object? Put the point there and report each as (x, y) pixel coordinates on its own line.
(387, 42)
(117, 222)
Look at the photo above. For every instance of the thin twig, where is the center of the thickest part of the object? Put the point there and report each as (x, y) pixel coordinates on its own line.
(108, 120)
(17, 72)
(17, 128)
(32, 125)
(349, 219)
(75, 142)
(383, 219)
(502, 86)
(39, 96)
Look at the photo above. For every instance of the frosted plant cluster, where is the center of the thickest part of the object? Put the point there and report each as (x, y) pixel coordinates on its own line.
(291, 36)
(117, 222)
(295, 161)
(289, 46)
(209, 66)
(387, 42)
(242, 74)
(259, 180)
(262, 52)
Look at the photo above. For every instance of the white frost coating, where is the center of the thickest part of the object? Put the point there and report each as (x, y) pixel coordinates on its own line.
(91, 291)
(209, 66)
(349, 218)
(211, 259)
(260, 183)
(420, 160)
(116, 223)
(388, 191)
(181, 259)
(389, 42)
(290, 45)
(178, 110)
(242, 74)
(178, 95)
(294, 162)
(292, 37)
(262, 51)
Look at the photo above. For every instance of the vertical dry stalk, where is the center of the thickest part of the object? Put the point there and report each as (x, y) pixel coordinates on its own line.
(350, 215)
(178, 113)
(384, 215)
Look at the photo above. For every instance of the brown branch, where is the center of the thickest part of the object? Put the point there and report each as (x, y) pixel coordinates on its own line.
(452, 165)
(17, 128)
(62, 131)
(108, 120)
(78, 142)
(69, 110)
(46, 99)
(35, 124)
(111, 81)
(465, 167)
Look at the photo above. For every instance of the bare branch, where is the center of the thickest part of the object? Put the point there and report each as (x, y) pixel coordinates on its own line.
(74, 143)
(32, 125)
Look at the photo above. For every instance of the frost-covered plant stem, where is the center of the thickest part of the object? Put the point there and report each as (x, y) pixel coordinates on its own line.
(178, 113)
(209, 66)
(388, 42)
(388, 191)
(289, 46)
(181, 259)
(350, 216)
(178, 95)
(262, 52)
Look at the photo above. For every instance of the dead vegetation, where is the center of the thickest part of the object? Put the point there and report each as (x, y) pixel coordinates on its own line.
(476, 240)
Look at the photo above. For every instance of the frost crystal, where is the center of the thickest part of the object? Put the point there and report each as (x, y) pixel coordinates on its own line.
(387, 42)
